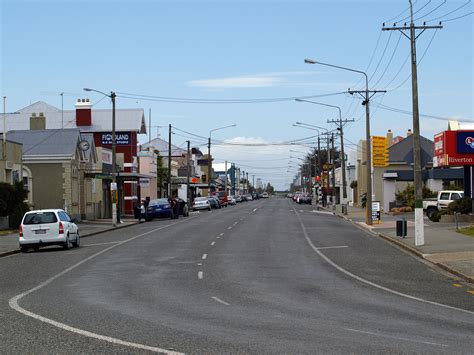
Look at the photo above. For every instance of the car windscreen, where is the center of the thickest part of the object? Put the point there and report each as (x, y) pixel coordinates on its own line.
(201, 199)
(160, 201)
(40, 218)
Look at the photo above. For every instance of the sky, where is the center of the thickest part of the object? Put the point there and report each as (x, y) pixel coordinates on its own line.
(242, 63)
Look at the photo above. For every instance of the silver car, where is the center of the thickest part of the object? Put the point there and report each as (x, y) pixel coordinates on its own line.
(48, 227)
(201, 203)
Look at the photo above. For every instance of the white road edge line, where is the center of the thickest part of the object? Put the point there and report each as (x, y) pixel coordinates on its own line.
(220, 301)
(370, 283)
(204, 256)
(200, 275)
(95, 244)
(335, 247)
(14, 301)
(394, 337)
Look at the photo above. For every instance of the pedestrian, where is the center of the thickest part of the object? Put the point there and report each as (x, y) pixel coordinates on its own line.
(142, 211)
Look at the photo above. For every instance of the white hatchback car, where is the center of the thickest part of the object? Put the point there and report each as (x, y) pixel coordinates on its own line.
(48, 227)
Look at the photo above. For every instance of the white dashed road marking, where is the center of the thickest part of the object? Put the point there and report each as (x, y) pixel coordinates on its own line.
(336, 247)
(204, 256)
(213, 243)
(200, 275)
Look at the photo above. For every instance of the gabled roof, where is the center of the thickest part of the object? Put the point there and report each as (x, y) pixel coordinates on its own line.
(162, 146)
(403, 151)
(53, 142)
(125, 119)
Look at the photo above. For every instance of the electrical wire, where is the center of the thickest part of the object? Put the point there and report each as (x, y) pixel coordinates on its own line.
(459, 17)
(423, 55)
(449, 13)
(381, 58)
(415, 12)
(390, 61)
(218, 101)
(401, 13)
(191, 134)
(436, 8)
(406, 112)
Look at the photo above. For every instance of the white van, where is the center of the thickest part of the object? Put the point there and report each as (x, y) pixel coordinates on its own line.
(48, 227)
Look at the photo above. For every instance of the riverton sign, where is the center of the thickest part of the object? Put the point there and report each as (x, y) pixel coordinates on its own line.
(453, 148)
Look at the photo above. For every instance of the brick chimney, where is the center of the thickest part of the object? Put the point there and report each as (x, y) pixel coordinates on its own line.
(389, 138)
(409, 133)
(83, 112)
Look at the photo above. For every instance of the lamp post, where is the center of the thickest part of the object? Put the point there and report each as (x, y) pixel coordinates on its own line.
(115, 215)
(367, 135)
(209, 160)
(343, 157)
(328, 156)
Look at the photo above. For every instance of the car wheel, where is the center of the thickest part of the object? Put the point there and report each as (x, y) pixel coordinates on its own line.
(209, 209)
(23, 249)
(67, 245)
(430, 213)
(77, 242)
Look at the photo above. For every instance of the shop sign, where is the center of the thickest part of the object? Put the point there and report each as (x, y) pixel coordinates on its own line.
(120, 138)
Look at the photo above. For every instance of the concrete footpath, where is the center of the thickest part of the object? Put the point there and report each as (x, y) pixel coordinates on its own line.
(9, 242)
(444, 247)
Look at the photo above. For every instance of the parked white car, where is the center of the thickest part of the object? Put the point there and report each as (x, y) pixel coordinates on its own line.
(201, 203)
(445, 197)
(48, 227)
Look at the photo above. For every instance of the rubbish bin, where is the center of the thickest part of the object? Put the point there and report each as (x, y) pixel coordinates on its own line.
(402, 228)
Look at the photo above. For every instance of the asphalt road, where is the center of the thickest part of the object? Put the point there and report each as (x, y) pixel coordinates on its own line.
(267, 276)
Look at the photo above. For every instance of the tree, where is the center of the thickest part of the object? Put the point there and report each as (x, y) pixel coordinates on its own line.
(269, 189)
(12, 202)
(161, 174)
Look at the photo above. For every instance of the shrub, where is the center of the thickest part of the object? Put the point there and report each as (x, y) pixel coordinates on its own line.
(436, 217)
(407, 196)
(463, 206)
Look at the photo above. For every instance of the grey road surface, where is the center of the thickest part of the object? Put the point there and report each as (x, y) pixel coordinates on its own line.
(267, 276)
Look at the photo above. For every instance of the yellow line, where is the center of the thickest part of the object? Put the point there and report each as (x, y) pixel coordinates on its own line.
(457, 285)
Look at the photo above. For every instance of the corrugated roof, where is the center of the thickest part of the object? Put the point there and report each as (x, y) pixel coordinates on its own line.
(162, 146)
(47, 142)
(125, 119)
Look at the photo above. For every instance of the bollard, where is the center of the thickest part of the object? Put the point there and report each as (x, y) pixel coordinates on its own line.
(402, 228)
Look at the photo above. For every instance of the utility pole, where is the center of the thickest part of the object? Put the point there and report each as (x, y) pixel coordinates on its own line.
(62, 110)
(169, 161)
(188, 174)
(209, 167)
(149, 125)
(319, 167)
(333, 173)
(340, 124)
(418, 182)
(247, 182)
(115, 206)
(4, 147)
(225, 177)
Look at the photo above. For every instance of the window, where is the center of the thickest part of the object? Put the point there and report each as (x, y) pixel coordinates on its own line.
(63, 216)
(455, 196)
(444, 196)
(40, 218)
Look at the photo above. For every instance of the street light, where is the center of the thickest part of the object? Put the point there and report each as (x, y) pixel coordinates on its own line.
(343, 159)
(115, 215)
(368, 204)
(209, 160)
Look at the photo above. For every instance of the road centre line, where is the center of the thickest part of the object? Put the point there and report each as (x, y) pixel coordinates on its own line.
(204, 256)
(229, 228)
(200, 275)
(367, 282)
(335, 247)
(395, 337)
(14, 301)
(220, 301)
(221, 234)
(213, 243)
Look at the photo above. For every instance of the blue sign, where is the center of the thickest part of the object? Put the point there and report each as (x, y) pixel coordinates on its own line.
(465, 142)
(120, 138)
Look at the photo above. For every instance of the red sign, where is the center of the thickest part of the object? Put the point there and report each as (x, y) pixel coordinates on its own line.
(452, 148)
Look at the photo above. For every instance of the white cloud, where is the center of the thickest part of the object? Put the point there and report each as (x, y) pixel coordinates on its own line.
(237, 82)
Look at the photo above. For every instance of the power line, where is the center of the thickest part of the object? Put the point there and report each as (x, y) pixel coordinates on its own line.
(415, 12)
(457, 18)
(401, 13)
(436, 8)
(390, 61)
(449, 13)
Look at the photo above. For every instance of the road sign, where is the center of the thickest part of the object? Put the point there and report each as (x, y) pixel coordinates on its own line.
(379, 151)
(376, 216)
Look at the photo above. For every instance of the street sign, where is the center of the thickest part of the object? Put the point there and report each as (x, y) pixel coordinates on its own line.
(379, 151)
(376, 216)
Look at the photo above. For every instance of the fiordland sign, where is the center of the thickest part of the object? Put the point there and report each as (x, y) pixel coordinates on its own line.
(453, 148)
(120, 138)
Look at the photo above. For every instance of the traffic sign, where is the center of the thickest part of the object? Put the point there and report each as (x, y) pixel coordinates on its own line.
(379, 151)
